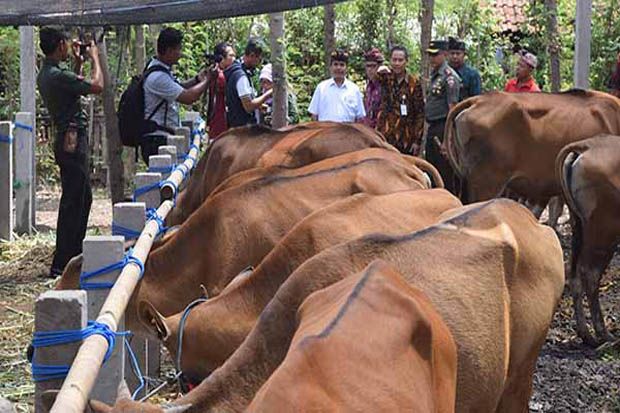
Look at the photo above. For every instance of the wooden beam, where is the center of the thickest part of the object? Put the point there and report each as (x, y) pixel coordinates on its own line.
(119, 12)
(583, 35)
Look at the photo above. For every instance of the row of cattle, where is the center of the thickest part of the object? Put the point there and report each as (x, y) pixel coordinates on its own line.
(371, 290)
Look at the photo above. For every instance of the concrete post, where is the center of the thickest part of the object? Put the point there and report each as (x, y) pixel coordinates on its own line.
(100, 251)
(6, 181)
(191, 116)
(161, 164)
(181, 142)
(56, 311)
(151, 199)
(132, 215)
(27, 83)
(24, 144)
(169, 150)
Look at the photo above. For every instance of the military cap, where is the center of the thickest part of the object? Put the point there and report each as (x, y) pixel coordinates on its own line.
(436, 46)
(455, 44)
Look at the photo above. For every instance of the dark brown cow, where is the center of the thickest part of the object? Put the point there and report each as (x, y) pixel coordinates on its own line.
(257, 146)
(492, 272)
(509, 141)
(239, 226)
(371, 342)
(589, 171)
(226, 320)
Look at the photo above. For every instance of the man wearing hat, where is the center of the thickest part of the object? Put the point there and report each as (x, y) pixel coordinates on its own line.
(524, 82)
(470, 78)
(372, 97)
(266, 84)
(337, 99)
(441, 96)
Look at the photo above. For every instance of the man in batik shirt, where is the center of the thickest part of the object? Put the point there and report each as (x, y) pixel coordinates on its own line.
(372, 97)
(401, 118)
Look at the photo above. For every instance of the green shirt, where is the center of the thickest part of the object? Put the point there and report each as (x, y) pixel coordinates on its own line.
(470, 81)
(61, 89)
(443, 90)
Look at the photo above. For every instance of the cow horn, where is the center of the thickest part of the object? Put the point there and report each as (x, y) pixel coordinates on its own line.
(177, 409)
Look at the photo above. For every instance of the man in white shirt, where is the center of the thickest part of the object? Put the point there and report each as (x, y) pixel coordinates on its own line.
(337, 99)
(163, 92)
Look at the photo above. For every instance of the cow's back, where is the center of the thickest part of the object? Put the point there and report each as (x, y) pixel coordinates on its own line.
(370, 342)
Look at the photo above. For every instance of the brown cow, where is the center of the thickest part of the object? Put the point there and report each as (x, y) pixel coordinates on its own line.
(226, 320)
(370, 342)
(509, 141)
(239, 226)
(492, 272)
(244, 148)
(589, 171)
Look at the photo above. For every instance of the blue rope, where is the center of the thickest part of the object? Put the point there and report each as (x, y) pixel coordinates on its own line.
(20, 125)
(128, 233)
(42, 372)
(152, 215)
(135, 366)
(145, 189)
(128, 259)
(6, 138)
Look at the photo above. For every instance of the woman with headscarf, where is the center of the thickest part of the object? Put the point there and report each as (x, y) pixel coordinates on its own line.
(266, 83)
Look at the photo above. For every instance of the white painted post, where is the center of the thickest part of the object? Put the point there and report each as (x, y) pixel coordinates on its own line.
(583, 35)
(161, 164)
(24, 144)
(6, 181)
(100, 251)
(56, 311)
(27, 83)
(151, 199)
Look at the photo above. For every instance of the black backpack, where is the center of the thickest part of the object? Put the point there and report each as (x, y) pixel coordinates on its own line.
(131, 122)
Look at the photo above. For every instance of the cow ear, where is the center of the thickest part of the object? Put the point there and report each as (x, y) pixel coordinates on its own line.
(153, 320)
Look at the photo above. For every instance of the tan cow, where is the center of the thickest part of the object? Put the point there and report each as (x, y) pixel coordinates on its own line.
(369, 343)
(238, 227)
(491, 271)
(509, 141)
(589, 171)
(224, 321)
(245, 148)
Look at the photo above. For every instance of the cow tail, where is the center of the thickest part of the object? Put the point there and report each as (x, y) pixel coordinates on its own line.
(450, 136)
(564, 172)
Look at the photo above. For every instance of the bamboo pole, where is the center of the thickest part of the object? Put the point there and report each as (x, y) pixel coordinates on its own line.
(75, 390)
(170, 186)
(74, 393)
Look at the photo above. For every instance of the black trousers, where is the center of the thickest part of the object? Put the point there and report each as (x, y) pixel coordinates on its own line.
(75, 202)
(434, 156)
(150, 146)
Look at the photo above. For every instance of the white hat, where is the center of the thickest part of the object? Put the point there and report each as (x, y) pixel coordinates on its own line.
(265, 73)
(529, 58)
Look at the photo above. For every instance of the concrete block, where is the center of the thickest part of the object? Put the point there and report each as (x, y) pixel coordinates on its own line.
(56, 311)
(161, 164)
(151, 198)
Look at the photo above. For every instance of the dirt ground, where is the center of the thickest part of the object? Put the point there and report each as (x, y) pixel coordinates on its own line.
(570, 377)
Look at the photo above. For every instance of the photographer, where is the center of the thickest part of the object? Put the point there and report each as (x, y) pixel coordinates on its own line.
(163, 92)
(61, 89)
(223, 57)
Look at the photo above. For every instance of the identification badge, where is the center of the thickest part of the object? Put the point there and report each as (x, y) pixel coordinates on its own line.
(403, 109)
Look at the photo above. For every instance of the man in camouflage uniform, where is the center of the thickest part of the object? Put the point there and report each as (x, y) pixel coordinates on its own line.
(470, 78)
(401, 117)
(61, 89)
(441, 96)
